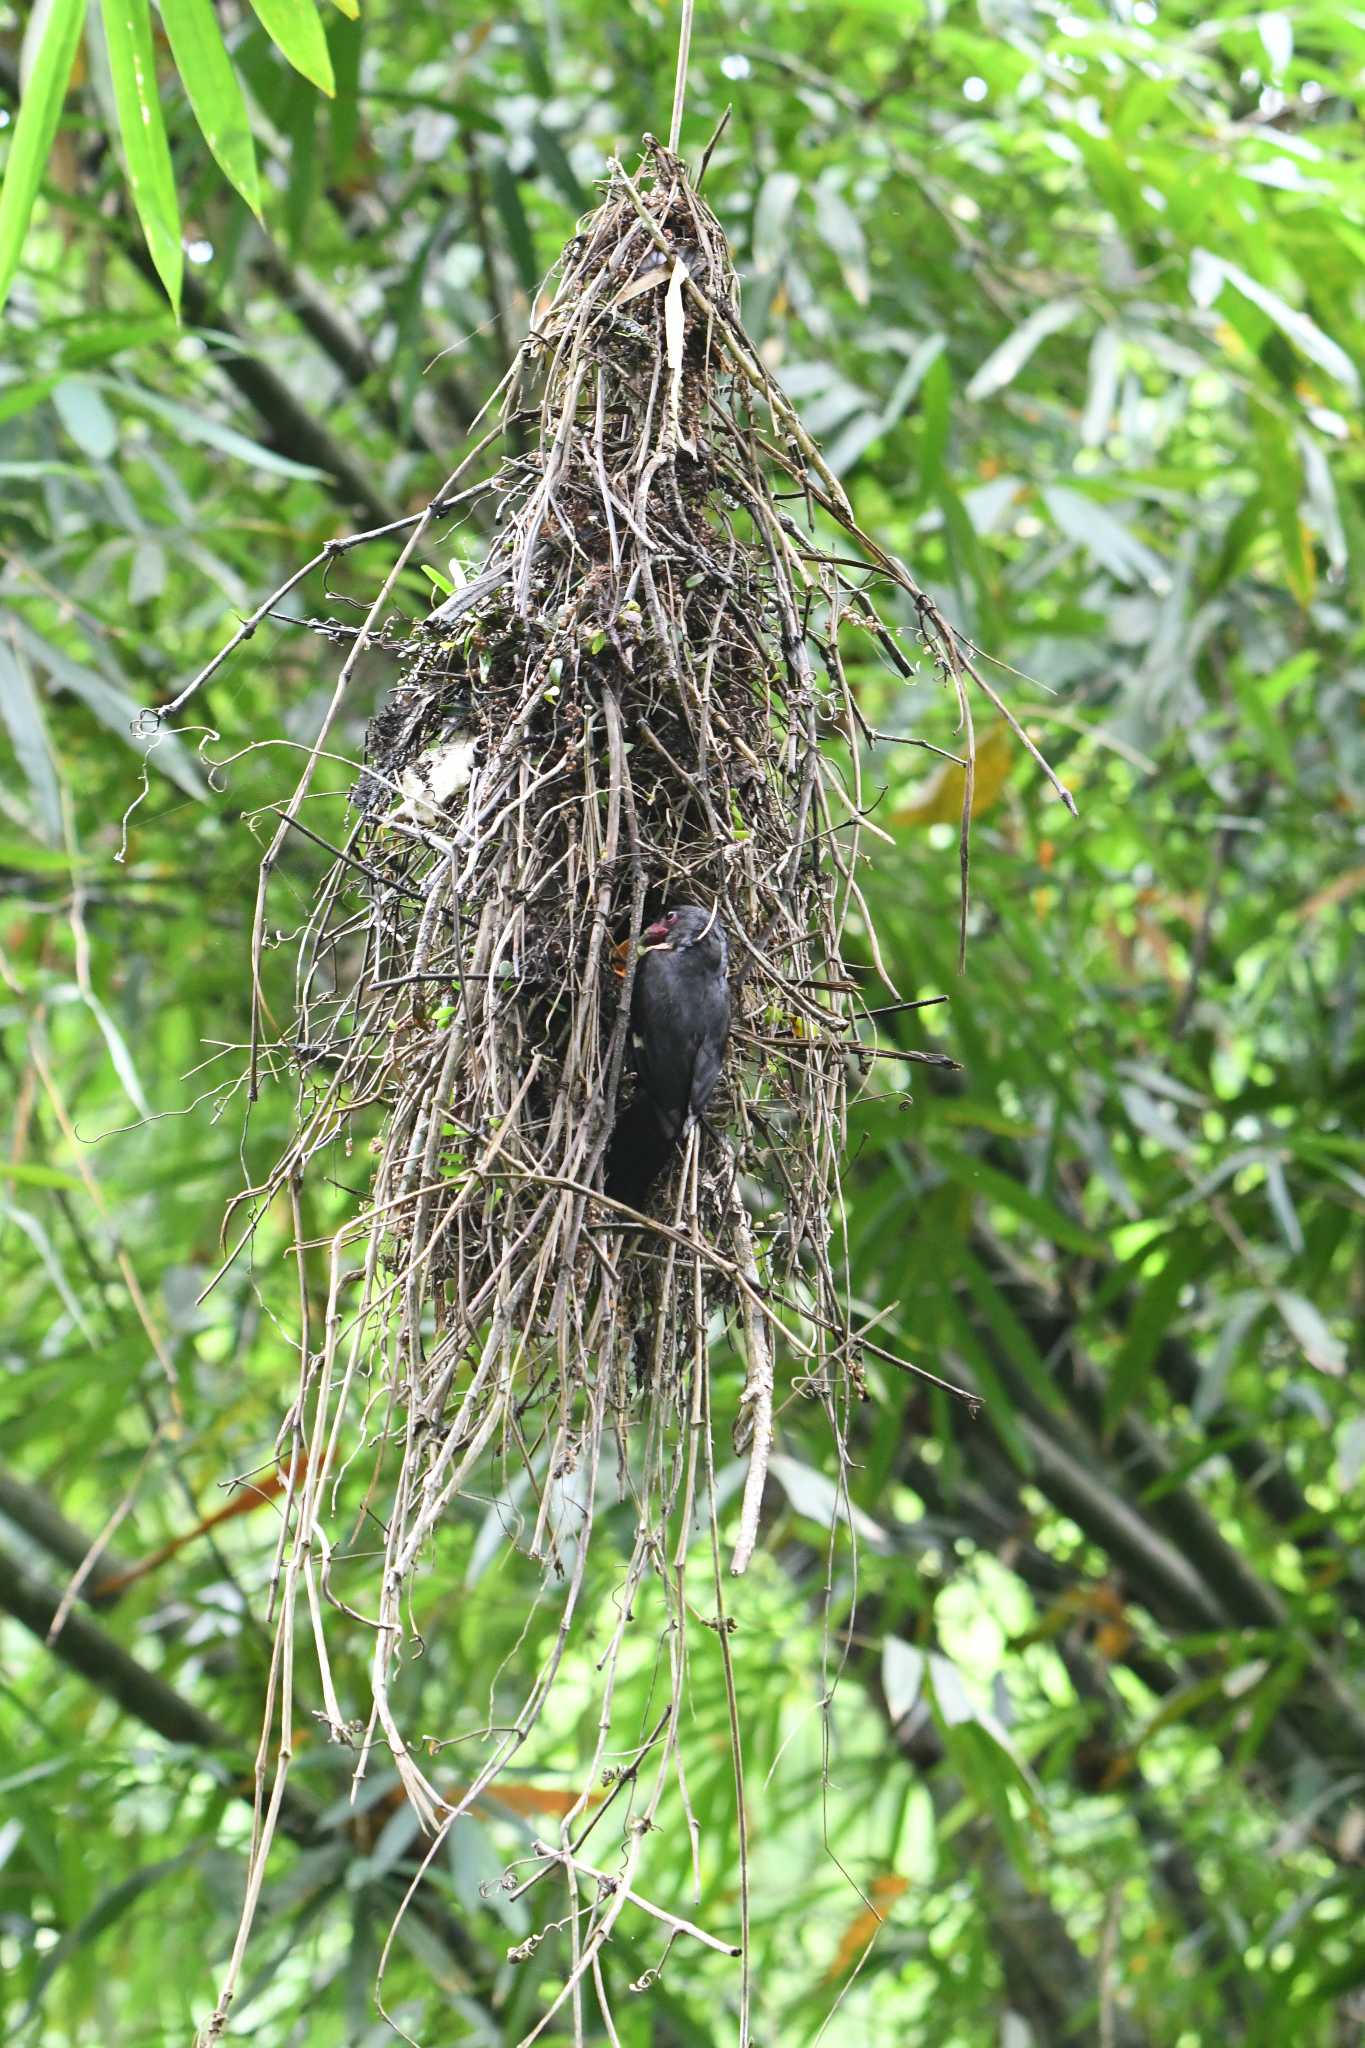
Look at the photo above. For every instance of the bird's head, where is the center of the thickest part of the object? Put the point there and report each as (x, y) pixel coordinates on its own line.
(686, 924)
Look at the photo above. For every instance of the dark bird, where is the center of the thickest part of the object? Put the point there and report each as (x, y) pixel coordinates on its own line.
(680, 1020)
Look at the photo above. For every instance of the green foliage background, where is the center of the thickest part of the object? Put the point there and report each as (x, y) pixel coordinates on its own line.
(1073, 300)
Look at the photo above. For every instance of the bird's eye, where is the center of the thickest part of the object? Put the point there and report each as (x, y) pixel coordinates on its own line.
(672, 917)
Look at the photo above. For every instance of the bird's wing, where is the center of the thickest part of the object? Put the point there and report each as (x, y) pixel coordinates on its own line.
(662, 1051)
(710, 1053)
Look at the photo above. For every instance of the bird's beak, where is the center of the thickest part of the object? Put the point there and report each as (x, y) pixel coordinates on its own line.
(655, 934)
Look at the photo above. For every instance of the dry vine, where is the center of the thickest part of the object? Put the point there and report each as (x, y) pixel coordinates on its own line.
(625, 706)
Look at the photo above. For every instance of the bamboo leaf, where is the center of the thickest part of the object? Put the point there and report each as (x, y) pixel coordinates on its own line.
(903, 1672)
(557, 168)
(918, 364)
(297, 32)
(1003, 364)
(1105, 538)
(40, 109)
(116, 709)
(344, 43)
(772, 210)
(842, 232)
(507, 198)
(1309, 1329)
(1210, 273)
(910, 1675)
(963, 1340)
(1104, 385)
(981, 1178)
(937, 415)
(42, 1244)
(1008, 1331)
(82, 411)
(300, 123)
(1282, 483)
(27, 728)
(1150, 1324)
(214, 92)
(31, 1173)
(132, 65)
(817, 1497)
(106, 1912)
(1351, 1451)
(1277, 38)
(201, 426)
(1282, 1203)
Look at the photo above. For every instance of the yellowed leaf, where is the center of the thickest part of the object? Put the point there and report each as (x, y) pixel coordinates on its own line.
(938, 799)
(862, 1929)
(1336, 891)
(651, 280)
(533, 1798)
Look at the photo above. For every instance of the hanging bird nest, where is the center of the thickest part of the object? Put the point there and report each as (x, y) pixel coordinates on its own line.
(624, 708)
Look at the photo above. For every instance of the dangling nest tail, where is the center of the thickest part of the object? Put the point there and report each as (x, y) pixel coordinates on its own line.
(624, 707)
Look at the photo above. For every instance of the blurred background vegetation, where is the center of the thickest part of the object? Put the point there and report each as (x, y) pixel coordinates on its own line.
(1073, 299)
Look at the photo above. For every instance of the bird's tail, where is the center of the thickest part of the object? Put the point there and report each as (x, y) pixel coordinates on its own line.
(642, 1144)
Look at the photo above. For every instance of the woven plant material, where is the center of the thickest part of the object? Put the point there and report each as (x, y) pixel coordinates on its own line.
(626, 705)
